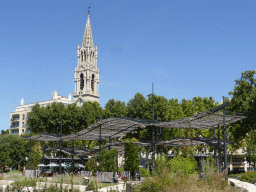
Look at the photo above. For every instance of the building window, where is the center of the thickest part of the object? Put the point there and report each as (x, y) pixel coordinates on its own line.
(81, 81)
(23, 117)
(23, 124)
(92, 82)
(22, 130)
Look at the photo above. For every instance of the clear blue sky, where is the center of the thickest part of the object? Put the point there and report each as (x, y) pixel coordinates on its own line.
(187, 48)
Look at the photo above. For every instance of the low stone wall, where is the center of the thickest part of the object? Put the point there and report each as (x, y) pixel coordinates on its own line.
(44, 185)
(6, 182)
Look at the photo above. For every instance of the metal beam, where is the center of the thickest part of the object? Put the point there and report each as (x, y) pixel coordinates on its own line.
(219, 107)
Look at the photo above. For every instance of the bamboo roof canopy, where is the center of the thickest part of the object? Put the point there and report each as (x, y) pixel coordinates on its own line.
(117, 127)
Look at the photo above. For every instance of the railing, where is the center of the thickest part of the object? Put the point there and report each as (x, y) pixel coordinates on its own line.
(15, 133)
(15, 119)
(88, 92)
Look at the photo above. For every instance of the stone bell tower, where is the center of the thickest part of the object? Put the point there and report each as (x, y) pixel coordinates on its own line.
(86, 71)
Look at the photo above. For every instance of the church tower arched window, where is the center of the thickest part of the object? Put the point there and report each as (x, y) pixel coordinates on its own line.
(92, 82)
(81, 81)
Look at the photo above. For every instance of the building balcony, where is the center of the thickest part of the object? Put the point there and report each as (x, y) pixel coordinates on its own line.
(15, 133)
(14, 126)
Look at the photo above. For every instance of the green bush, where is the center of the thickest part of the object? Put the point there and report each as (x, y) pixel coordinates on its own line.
(14, 172)
(166, 177)
(144, 172)
(91, 166)
(184, 165)
(93, 185)
(28, 183)
(249, 177)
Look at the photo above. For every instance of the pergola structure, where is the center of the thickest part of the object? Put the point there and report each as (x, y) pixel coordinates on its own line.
(117, 127)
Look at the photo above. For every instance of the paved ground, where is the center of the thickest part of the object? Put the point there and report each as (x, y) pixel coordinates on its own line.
(248, 186)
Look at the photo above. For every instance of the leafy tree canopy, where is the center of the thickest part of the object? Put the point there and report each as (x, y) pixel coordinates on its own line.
(244, 101)
(12, 151)
(115, 109)
(108, 160)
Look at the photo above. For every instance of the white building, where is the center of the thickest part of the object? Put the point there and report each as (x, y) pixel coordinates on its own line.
(19, 117)
(86, 77)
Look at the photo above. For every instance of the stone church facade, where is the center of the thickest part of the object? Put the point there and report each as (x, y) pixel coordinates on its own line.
(86, 79)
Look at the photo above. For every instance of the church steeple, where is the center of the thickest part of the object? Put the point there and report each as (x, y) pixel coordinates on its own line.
(87, 39)
(86, 71)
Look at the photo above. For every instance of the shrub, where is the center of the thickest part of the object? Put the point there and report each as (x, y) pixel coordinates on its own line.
(144, 172)
(183, 165)
(249, 177)
(93, 185)
(90, 166)
(166, 178)
(14, 172)
(28, 183)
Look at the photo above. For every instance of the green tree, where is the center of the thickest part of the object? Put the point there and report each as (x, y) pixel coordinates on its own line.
(250, 147)
(115, 109)
(131, 157)
(138, 107)
(35, 156)
(243, 101)
(12, 151)
(108, 160)
(48, 119)
(3, 132)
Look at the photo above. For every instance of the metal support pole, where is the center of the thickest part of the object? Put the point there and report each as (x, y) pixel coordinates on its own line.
(109, 143)
(153, 146)
(219, 150)
(153, 131)
(100, 141)
(54, 154)
(117, 165)
(72, 165)
(225, 144)
(44, 149)
(60, 148)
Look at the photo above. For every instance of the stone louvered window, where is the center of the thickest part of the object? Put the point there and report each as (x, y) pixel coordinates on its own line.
(92, 82)
(81, 81)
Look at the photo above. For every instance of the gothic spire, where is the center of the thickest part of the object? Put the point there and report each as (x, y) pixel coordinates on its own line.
(87, 39)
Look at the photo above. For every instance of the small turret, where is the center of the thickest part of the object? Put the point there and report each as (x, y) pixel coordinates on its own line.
(55, 95)
(69, 97)
(22, 102)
